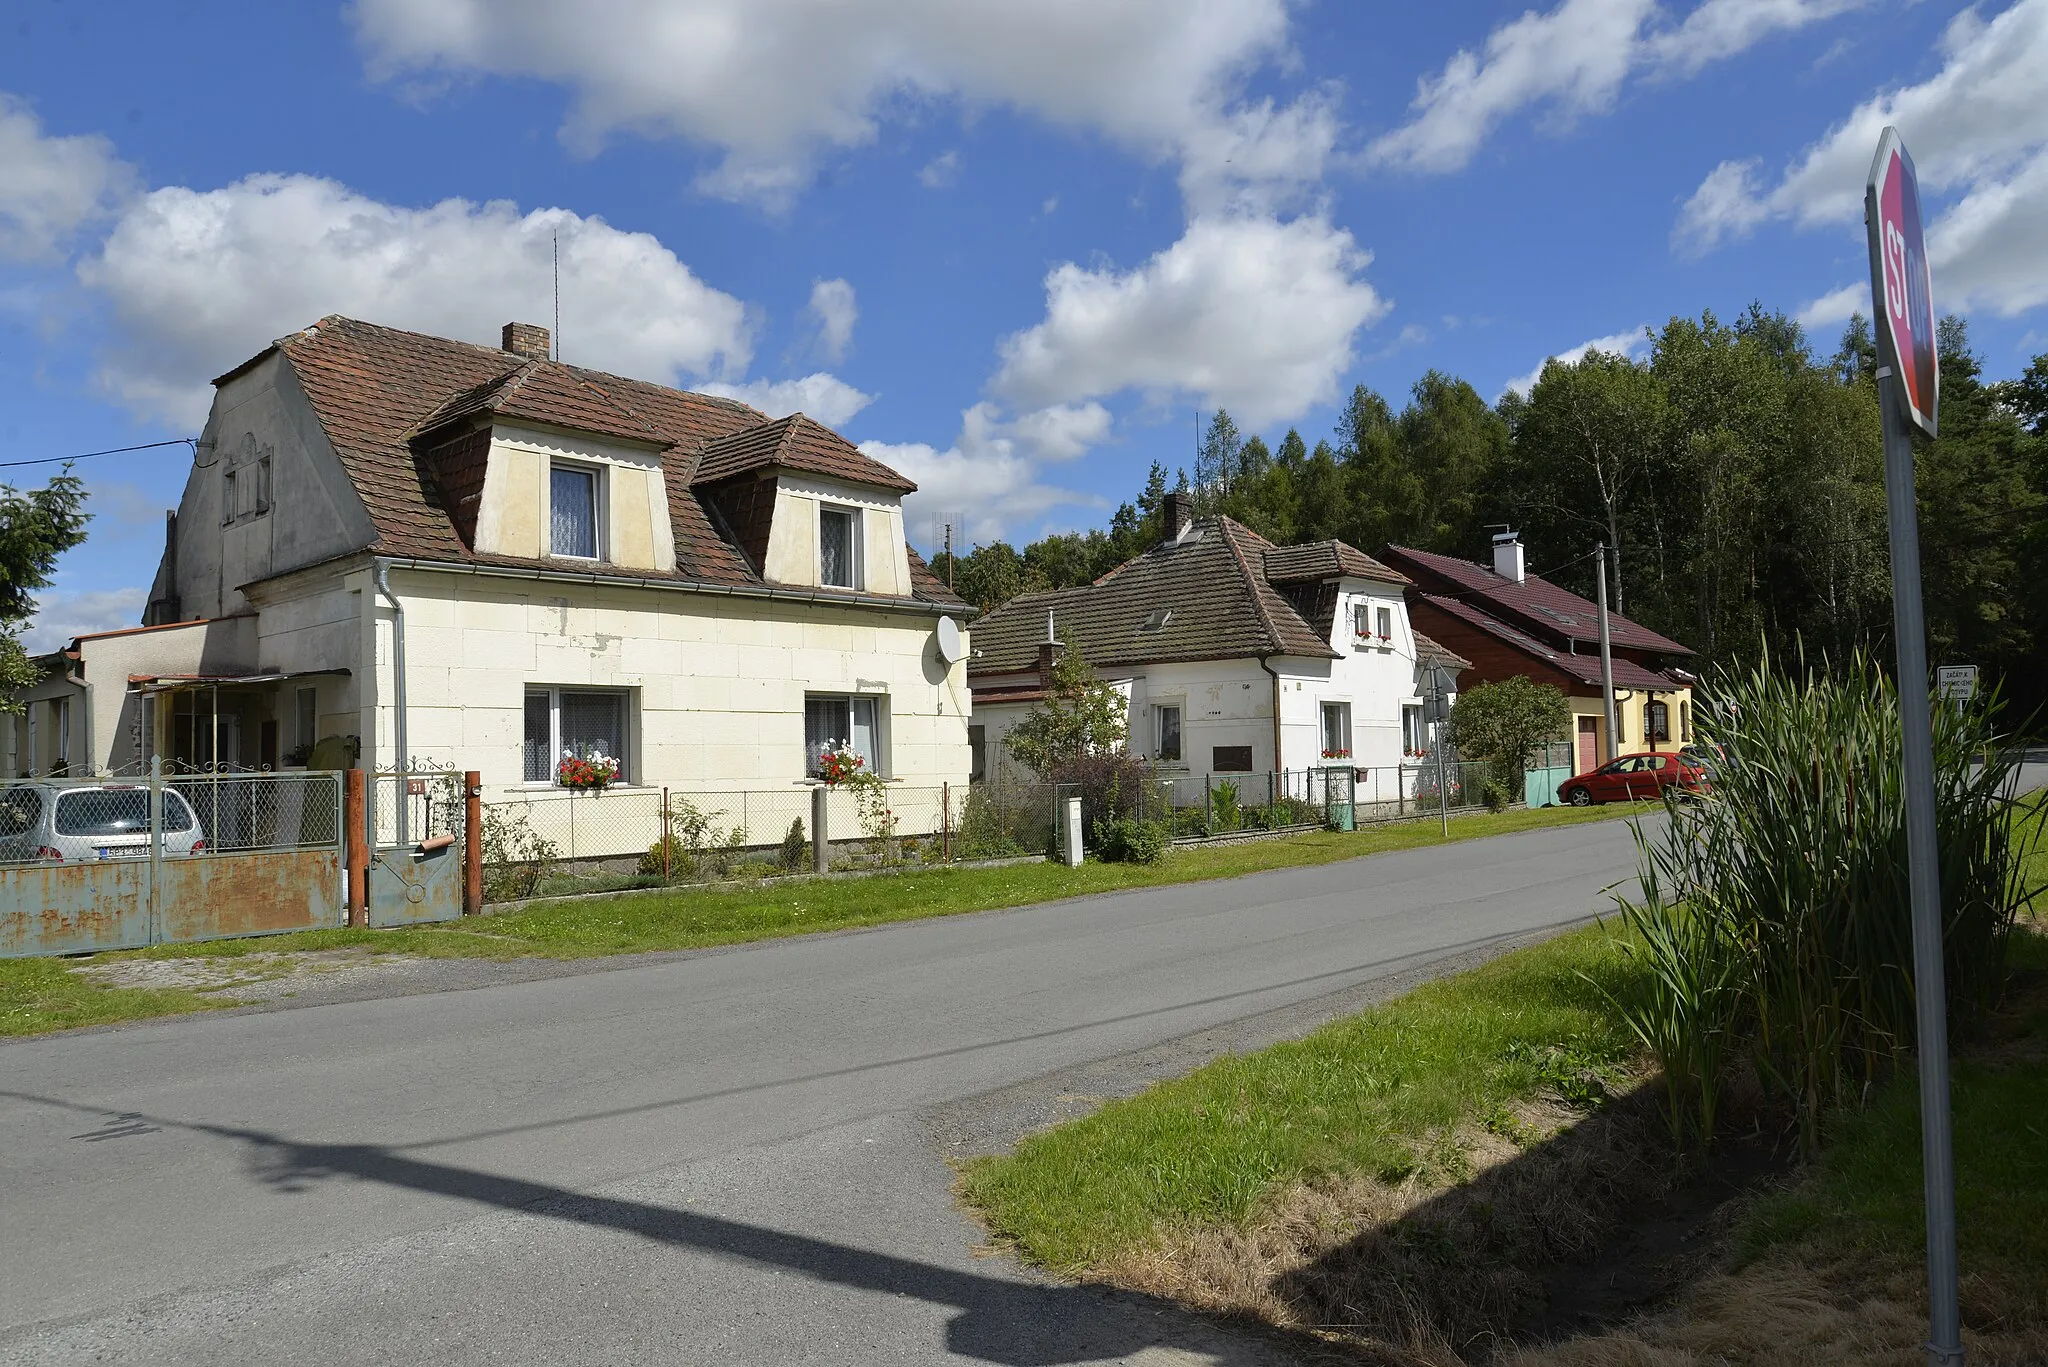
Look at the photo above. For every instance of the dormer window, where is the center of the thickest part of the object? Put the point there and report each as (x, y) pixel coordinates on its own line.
(839, 559)
(572, 511)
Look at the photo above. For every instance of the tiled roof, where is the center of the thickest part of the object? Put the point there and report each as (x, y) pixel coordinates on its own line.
(1320, 560)
(1535, 604)
(1435, 652)
(547, 392)
(1584, 669)
(1205, 597)
(375, 388)
(794, 443)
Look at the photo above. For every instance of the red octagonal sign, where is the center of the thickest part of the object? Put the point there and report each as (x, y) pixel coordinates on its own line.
(1901, 286)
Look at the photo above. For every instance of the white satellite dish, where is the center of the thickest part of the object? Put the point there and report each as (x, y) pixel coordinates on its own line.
(952, 649)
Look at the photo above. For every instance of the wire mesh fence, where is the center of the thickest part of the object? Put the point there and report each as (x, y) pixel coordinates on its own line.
(59, 820)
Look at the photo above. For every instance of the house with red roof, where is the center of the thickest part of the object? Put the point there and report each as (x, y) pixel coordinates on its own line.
(397, 549)
(1509, 622)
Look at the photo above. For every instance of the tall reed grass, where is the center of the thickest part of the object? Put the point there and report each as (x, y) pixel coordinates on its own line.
(1774, 921)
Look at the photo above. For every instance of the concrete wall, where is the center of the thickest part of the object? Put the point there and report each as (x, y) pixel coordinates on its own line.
(716, 684)
(314, 512)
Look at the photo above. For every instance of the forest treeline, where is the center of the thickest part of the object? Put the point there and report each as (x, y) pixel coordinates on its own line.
(1738, 474)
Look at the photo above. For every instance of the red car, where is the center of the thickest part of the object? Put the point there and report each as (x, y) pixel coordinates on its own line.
(1634, 777)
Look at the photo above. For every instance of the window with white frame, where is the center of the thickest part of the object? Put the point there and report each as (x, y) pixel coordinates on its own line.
(1386, 623)
(839, 557)
(1336, 730)
(842, 722)
(566, 723)
(1166, 719)
(1361, 622)
(1414, 731)
(573, 528)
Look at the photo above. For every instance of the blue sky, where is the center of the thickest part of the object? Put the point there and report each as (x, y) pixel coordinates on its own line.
(1013, 248)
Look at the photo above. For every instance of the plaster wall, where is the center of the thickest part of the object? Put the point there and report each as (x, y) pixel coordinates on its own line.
(716, 685)
(514, 514)
(793, 537)
(314, 513)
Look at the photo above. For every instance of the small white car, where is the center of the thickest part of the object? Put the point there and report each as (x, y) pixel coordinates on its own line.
(44, 823)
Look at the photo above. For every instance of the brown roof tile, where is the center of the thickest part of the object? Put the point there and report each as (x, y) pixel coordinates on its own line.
(794, 443)
(1320, 560)
(1207, 593)
(374, 388)
(1584, 669)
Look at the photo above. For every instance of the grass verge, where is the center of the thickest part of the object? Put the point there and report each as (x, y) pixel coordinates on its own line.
(38, 995)
(1437, 1175)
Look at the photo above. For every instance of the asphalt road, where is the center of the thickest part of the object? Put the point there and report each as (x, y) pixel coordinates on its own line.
(733, 1157)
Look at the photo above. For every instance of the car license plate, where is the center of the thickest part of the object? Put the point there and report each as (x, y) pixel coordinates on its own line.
(123, 851)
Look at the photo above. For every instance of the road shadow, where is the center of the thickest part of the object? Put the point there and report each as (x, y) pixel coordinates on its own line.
(999, 1320)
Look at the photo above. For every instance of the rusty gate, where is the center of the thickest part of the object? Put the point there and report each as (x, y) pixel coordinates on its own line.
(117, 863)
(415, 823)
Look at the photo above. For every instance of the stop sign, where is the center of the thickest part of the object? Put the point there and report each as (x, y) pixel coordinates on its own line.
(1901, 287)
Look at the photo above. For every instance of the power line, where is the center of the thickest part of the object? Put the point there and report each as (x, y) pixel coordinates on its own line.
(88, 455)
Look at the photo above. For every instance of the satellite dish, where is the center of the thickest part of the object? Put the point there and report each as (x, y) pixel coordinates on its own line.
(952, 649)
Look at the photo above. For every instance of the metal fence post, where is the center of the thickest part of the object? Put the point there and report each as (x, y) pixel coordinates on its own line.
(355, 846)
(472, 843)
(156, 837)
(667, 873)
(946, 823)
(1208, 804)
(821, 848)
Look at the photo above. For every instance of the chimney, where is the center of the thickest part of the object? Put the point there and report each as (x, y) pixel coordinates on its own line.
(1507, 556)
(1180, 512)
(1048, 653)
(526, 339)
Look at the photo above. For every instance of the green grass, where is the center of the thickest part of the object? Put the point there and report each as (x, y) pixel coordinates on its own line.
(1866, 1193)
(1359, 1097)
(42, 994)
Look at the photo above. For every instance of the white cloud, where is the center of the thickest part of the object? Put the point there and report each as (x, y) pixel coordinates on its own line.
(52, 186)
(1574, 60)
(1255, 314)
(1576, 56)
(1835, 307)
(200, 280)
(1628, 344)
(986, 495)
(827, 398)
(1063, 432)
(775, 84)
(939, 171)
(833, 312)
(61, 616)
(1259, 158)
(1978, 128)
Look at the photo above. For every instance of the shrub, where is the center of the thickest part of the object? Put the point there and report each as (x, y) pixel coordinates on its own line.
(1110, 785)
(1505, 721)
(1129, 840)
(1794, 867)
(692, 844)
(794, 847)
(1495, 795)
(517, 858)
(1224, 813)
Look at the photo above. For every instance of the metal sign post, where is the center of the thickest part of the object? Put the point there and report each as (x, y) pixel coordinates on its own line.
(1901, 293)
(1437, 712)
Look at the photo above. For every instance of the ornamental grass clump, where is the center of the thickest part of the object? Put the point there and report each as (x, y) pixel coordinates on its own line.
(1775, 920)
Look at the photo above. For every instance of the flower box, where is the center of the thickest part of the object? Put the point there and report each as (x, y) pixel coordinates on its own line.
(1336, 754)
(587, 774)
(837, 766)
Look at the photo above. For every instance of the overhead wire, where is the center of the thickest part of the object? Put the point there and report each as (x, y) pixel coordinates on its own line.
(111, 451)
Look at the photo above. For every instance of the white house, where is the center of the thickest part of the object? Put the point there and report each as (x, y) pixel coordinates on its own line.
(397, 547)
(1237, 655)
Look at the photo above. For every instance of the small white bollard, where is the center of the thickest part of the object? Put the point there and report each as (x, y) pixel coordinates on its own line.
(1071, 846)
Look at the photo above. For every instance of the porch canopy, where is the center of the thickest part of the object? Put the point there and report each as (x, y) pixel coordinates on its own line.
(208, 721)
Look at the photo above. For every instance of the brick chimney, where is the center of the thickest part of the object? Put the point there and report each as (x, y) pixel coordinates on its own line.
(526, 339)
(1180, 513)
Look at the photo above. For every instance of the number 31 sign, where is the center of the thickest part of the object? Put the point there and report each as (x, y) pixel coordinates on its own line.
(1900, 286)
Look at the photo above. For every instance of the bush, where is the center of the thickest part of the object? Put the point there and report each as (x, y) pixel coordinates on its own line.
(1775, 918)
(1495, 795)
(794, 847)
(1224, 813)
(1111, 785)
(1128, 840)
(691, 845)
(517, 858)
